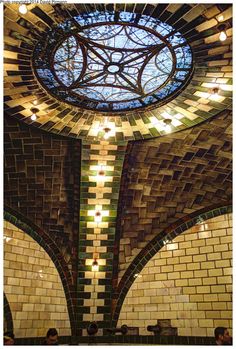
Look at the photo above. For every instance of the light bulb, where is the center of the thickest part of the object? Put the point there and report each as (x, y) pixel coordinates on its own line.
(101, 173)
(95, 265)
(34, 113)
(215, 91)
(220, 18)
(23, 9)
(223, 36)
(98, 217)
(107, 131)
(106, 136)
(167, 128)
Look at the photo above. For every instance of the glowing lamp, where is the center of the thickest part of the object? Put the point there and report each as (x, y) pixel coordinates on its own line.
(95, 265)
(98, 216)
(222, 30)
(215, 90)
(107, 130)
(167, 123)
(23, 9)
(34, 112)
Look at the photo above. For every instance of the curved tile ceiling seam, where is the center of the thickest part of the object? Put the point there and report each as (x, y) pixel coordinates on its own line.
(194, 104)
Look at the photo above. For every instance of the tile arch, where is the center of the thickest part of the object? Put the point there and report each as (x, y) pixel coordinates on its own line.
(52, 250)
(155, 245)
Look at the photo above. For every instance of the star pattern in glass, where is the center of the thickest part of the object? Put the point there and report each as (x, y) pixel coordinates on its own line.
(113, 62)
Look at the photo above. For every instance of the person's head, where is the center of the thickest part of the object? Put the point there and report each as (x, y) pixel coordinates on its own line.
(9, 338)
(222, 335)
(52, 337)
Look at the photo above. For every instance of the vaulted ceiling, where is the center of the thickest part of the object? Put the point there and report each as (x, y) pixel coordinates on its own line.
(198, 23)
(165, 177)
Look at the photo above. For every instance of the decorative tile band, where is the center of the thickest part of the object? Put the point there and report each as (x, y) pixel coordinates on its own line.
(101, 170)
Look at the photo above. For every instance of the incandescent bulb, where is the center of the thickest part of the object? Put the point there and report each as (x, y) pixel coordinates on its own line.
(95, 265)
(106, 136)
(220, 18)
(167, 128)
(223, 36)
(23, 9)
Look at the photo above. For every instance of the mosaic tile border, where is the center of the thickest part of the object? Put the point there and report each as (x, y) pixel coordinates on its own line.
(99, 194)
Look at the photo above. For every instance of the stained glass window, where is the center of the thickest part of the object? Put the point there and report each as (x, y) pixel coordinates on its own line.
(106, 62)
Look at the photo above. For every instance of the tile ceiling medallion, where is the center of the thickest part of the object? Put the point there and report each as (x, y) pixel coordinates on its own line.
(109, 63)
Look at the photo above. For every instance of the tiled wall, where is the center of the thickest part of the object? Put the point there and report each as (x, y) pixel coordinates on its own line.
(41, 182)
(189, 281)
(32, 286)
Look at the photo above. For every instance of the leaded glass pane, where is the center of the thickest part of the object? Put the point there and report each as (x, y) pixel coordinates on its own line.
(99, 61)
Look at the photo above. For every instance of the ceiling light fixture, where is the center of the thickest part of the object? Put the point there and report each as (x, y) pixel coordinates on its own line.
(101, 173)
(167, 123)
(98, 217)
(220, 18)
(222, 30)
(23, 9)
(215, 90)
(107, 131)
(95, 265)
(34, 112)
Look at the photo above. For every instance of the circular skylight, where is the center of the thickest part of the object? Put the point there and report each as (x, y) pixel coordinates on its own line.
(113, 62)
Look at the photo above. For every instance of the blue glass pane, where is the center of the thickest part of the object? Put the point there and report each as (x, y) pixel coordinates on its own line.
(176, 39)
(101, 61)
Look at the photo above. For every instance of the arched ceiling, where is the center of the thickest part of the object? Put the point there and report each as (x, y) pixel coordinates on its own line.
(198, 23)
(166, 179)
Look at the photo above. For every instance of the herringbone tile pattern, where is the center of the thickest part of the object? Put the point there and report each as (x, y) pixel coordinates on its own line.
(167, 178)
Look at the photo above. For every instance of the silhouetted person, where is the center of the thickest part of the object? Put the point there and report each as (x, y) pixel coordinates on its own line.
(222, 336)
(9, 338)
(51, 337)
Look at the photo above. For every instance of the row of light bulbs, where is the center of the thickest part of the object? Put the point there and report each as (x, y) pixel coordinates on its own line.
(98, 215)
(106, 130)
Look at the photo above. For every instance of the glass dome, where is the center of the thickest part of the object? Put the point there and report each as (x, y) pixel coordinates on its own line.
(113, 62)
